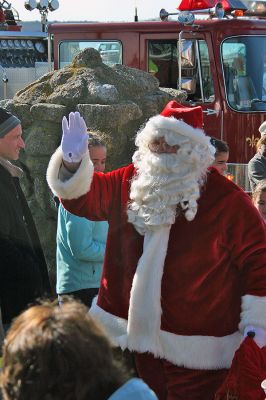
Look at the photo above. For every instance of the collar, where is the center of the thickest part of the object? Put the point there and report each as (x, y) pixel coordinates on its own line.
(14, 171)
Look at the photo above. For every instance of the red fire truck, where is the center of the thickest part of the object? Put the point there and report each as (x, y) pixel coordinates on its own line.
(23, 54)
(219, 59)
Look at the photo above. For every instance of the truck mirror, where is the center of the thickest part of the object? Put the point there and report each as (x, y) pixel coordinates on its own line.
(189, 85)
(188, 54)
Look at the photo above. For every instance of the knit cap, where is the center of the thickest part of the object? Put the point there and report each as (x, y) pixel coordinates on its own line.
(7, 122)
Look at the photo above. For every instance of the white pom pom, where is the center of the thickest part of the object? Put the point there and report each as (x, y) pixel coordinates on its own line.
(190, 214)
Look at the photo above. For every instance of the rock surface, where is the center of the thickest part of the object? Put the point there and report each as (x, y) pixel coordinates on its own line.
(114, 101)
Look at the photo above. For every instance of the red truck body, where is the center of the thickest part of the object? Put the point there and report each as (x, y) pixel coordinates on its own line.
(223, 67)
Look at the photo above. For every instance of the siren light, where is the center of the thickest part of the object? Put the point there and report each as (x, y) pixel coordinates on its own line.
(191, 5)
(194, 5)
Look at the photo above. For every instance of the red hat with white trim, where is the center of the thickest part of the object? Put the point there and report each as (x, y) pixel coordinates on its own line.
(192, 116)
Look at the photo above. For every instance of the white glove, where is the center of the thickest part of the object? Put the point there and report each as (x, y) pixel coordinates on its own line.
(259, 334)
(74, 143)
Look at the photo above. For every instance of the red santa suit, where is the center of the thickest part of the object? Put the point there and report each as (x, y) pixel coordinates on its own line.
(190, 304)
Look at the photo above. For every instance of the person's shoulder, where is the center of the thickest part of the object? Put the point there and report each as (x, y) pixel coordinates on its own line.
(220, 183)
(68, 216)
(134, 389)
(221, 190)
(257, 158)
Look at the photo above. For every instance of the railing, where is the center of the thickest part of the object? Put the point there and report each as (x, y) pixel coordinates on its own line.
(238, 173)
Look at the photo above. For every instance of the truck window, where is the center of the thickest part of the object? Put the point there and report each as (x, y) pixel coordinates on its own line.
(196, 74)
(162, 61)
(110, 51)
(244, 69)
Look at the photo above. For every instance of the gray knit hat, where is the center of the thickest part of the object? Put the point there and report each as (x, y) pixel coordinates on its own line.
(7, 122)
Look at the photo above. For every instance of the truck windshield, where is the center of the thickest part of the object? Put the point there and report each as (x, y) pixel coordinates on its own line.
(110, 51)
(244, 68)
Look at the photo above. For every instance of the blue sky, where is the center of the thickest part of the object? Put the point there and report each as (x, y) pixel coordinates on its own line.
(99, 10)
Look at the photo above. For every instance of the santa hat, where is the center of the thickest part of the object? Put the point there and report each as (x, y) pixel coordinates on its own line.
(174, 123)
(7, 122)
(262, 129)
(193, 116)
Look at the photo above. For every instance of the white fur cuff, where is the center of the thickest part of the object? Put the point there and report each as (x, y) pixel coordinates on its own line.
(74, 187)
(253, 312)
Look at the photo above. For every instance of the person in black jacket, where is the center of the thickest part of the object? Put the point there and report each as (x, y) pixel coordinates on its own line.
(23, 270)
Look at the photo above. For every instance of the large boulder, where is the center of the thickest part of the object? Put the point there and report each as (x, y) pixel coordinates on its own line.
(115, 101)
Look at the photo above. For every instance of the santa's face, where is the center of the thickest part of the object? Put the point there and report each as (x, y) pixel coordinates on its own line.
(159, 146)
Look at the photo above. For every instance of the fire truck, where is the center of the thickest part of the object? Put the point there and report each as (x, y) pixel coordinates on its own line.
(23, 54)
(216, 52)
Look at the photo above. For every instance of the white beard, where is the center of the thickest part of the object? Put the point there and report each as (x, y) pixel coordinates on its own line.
(164, 181)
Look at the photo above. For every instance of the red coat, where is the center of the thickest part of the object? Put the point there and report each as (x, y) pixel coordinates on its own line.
(214, 264)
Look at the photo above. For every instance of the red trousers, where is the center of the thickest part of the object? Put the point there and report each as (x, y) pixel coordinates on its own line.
(170, 382)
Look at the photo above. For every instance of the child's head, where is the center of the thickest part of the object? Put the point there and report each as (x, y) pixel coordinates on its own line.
(98, 152)
(221, 155)
(259, 198)
(55, 353)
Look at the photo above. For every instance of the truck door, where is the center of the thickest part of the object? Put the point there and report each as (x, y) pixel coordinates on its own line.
(159, 56)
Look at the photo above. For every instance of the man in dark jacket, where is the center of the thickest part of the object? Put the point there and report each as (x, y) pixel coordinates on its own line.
(23, 270)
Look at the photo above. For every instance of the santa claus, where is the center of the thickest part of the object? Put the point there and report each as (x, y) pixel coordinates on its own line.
(185, 263)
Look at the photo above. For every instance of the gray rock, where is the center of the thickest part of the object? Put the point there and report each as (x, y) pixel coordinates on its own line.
(115, 101)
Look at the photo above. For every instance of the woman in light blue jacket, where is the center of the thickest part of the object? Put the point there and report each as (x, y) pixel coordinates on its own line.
(81, 245)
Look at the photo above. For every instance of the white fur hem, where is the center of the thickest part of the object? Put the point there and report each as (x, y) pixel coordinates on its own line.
(74, 187)
(253, 312)
(194, 352)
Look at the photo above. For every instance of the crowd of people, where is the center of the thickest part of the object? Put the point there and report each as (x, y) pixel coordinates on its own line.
(167, 255)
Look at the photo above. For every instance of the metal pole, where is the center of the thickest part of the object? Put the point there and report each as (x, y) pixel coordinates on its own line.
(180, 47)
(50, 52)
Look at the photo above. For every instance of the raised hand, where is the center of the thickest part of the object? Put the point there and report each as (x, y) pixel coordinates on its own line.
(74, 142)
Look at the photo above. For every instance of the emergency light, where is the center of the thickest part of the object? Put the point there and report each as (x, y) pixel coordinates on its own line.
(194, 5)
(187, 10)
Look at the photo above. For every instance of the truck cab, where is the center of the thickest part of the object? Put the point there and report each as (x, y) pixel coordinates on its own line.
(219, 62)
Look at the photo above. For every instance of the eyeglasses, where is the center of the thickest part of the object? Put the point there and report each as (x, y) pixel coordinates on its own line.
(160, 146)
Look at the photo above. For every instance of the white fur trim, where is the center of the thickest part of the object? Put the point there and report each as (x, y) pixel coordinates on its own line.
(171, 127)
(253, 312)
(144, 314)
(74, 187)
(195, 352)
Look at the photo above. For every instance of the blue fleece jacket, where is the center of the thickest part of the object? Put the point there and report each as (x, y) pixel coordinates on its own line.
(80, 252)
(134, 389)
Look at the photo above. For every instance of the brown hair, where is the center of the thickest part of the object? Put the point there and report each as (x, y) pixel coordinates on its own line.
(95, 141)
(260, 187)
(220, 146)
(58, 353)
